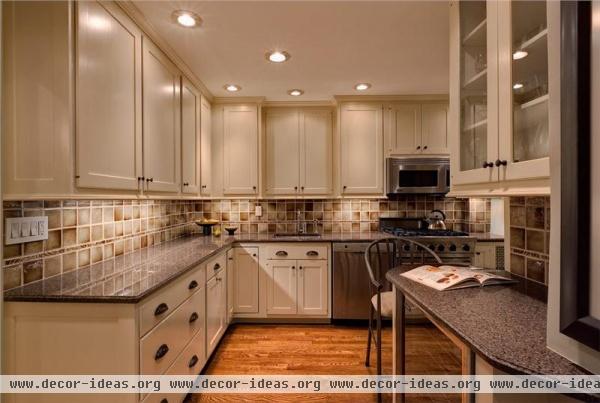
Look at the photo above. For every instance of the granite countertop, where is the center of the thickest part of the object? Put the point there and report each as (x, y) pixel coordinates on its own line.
(132, 277)
(501, 323)
(487, 237)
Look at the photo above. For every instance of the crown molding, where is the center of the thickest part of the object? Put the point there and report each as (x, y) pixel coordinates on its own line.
(299, 104)
(239, 100)
(391, 98)
(148, 29)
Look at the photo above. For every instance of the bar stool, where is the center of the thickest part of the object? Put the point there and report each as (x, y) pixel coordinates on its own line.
(381, 256)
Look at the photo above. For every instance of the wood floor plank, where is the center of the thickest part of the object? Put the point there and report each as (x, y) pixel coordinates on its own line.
(258, 349)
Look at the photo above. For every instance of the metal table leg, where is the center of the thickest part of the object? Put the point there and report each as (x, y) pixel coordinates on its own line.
(398, 341)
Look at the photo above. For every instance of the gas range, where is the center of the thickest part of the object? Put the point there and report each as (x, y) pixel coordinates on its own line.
(453, 247)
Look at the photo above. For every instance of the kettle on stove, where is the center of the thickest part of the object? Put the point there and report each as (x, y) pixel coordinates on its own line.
(436, 220)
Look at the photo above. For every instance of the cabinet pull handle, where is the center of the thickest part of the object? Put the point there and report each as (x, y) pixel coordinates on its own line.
(161, 352)
(193, 284)
(149, 179)
(186, 184)
(425, 148)
(488, 164)
(217, 266)
(164, 400)
(193, 317)
(345, 187)
(193, 361)
(295, 187)
(300, 268)
(254, 255)
(140, 178)
(203, 186)
(161, 308)
(312, 253)
(253, 187)
(218, 278)
(418, 147)
(293, 267)
(501, 162)
(302, 188)
(281, 253)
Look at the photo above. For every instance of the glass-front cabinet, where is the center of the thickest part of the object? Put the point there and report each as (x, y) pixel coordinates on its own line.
(498, 92)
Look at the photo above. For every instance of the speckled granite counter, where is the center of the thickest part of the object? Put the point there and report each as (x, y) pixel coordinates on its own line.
(487, 237)
(130, 278)
(503, 325)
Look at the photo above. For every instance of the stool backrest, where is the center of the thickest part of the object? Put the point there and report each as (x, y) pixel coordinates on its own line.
(387, 253)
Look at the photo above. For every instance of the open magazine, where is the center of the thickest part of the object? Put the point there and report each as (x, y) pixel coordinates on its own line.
(452, 277)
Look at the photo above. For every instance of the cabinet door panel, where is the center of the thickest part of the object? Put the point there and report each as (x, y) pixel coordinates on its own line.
(215, 311)
(205, 148)
(240, 143)
(190, 138)
(362, 149)
(230, 279)
(312, 287)
(283, 150)
(281, 287)
(434, 129)
(245, 284)
(108, 100)
(404, 129)
(162, 136)
(316, 153)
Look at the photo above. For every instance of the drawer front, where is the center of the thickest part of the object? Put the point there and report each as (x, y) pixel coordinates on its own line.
(161, 305)
(160, 347)
(215, 265)
(192, 358)
(297, 252)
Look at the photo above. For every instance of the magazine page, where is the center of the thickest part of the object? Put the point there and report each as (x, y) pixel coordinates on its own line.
(443, 277)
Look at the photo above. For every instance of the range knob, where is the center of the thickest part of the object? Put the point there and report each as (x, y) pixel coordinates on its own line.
(452, 247)
(431, 246)
(406, 247)
(440, 248)
(466, 248)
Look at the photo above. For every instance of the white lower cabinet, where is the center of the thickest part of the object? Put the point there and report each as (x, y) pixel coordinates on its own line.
(216, 309)
(245, 280)
(312, 287)
(486, 255)
(281, 287)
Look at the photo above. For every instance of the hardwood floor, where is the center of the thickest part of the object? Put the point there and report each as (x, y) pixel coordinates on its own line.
(325, 349)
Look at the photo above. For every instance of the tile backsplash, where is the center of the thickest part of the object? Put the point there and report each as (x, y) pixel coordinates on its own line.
(530, 237)
(84, 232)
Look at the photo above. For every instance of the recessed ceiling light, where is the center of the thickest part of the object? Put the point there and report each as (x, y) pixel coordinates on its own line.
(295, 92)
(517, 86)
(519, 54)
(362, 86)
(278, 56)
(187, 19)
(232, 87)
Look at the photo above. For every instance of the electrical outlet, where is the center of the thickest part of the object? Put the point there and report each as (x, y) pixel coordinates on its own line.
(25, 229)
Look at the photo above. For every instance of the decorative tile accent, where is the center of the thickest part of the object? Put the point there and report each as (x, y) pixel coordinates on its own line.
(530, 237)
(83, 232)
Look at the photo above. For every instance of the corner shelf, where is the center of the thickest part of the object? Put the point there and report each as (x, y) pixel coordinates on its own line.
(534, 102)
(477, 81)
(477, 36)
(475, 125)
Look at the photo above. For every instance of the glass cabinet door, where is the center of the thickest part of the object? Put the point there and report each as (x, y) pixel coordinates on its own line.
(529, 73)
(473, 127)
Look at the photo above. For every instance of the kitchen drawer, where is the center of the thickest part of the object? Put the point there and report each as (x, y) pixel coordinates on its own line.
(160, 305)
(192, 358)
(169, 338)
(215, 265)
(296, 252)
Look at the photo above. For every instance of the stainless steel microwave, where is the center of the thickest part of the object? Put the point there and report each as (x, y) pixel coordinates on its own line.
(418, 175)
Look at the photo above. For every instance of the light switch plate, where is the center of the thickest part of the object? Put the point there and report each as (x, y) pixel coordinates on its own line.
(258, 210)
(25, 229)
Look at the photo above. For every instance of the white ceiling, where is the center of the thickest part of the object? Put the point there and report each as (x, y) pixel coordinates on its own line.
(400, 47)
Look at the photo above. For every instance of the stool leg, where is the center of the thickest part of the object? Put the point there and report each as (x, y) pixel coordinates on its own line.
(369, 337)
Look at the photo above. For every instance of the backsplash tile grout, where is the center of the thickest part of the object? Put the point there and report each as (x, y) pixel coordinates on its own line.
(84, 232)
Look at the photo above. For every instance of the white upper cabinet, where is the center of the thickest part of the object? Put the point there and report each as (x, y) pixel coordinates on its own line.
(298, 151)
(403, 130)
(36, 104)
(190, 138)
(240, 150)
(162, 136)
(108, 100)
(499, 95)
(361, 148)
(434, 129)
(205, 148)
(282, 152)
(316, 152)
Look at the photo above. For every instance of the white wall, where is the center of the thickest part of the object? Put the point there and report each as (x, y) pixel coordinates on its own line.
(567, 347)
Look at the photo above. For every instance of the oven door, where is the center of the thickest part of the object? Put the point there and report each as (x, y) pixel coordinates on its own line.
(414, 177)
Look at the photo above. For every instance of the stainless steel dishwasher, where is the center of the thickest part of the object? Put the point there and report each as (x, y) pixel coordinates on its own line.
(351, 296)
